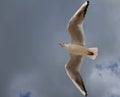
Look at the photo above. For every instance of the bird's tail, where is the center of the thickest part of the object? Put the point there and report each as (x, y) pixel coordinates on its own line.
(92, 53)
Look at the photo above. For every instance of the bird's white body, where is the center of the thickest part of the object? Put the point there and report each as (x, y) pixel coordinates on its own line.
(76, 49)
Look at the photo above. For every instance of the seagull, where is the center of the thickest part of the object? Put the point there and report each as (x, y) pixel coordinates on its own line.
(77, 48)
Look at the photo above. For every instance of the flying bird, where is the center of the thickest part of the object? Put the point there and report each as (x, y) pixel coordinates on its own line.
(77, 48)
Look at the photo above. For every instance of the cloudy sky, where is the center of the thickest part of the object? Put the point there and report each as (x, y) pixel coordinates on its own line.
(32, 62)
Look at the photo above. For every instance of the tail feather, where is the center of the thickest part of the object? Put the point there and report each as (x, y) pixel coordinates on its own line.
(93, 52)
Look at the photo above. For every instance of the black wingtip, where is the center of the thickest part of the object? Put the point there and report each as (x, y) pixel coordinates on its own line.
(88, 2)
(86, 8)
(86, 95)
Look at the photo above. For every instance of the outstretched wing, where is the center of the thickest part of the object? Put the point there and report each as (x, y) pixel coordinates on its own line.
(75, 25)
(72, 69)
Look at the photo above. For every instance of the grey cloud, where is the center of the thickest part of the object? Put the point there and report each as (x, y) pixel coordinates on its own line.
(28, 94)
(105, 79)
(29, 52)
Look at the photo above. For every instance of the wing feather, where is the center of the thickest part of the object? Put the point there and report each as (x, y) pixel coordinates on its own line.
(72, 69)
(74, 26)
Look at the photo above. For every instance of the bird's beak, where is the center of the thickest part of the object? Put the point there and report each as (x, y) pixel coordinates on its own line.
(61, 45)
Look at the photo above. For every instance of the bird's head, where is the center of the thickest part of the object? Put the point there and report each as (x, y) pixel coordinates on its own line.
(62, 45)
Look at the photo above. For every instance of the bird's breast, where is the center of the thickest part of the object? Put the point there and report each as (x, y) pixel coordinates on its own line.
(77, 49)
